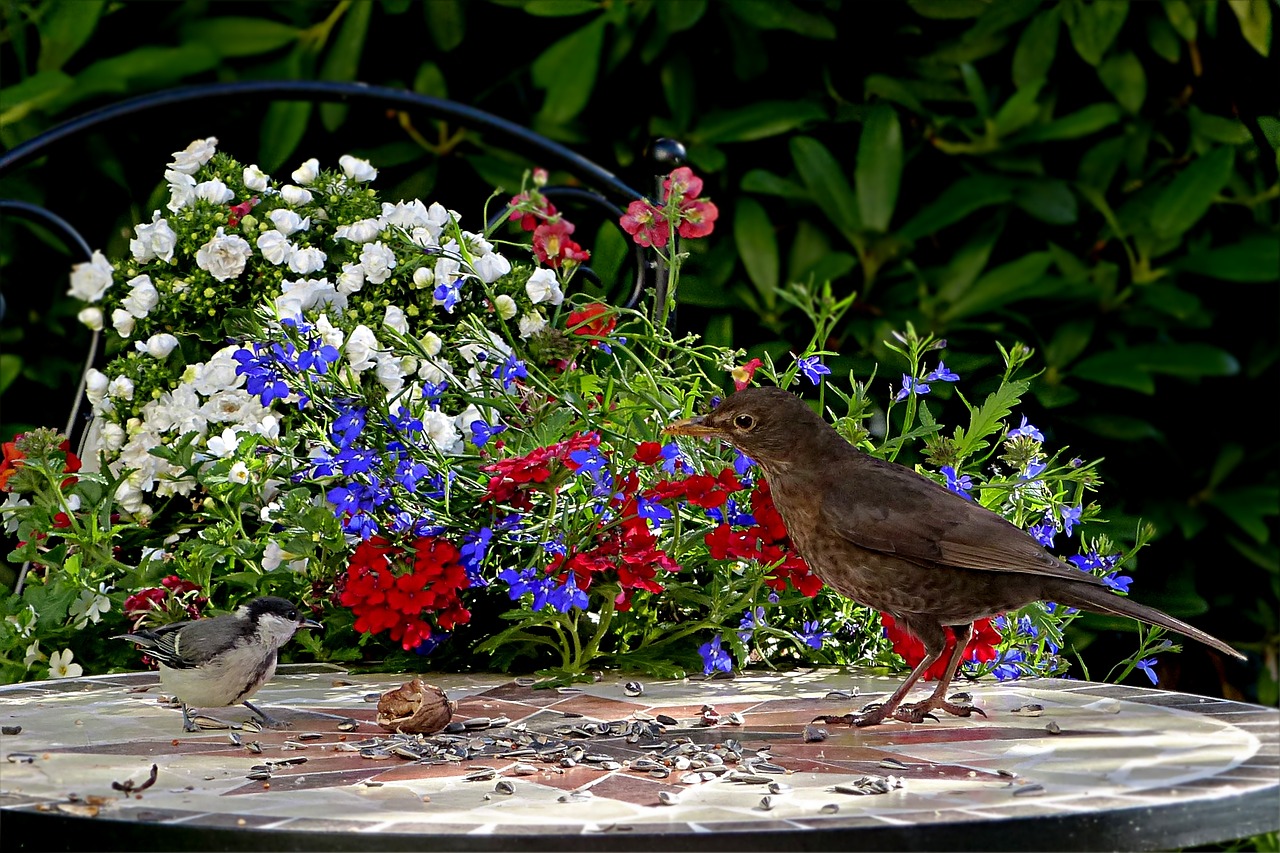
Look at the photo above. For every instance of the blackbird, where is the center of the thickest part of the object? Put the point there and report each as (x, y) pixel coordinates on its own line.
(889, 538)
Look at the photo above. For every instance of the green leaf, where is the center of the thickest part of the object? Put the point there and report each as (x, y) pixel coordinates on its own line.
(1099, 164)
(948, 10)
(1250, 507)
(757, 121)
(1033, 57)
(236, 36)
(567, 71)
(1163, 39)
(1124, 78)
(1069, 340)
(1006, 283)
(19, 100)
(1187, 198)
(969, 260)
(1211, 128)
(64, 26)
(827, 184)
(879, 168)
(1255, 23)
(985, 420)
(446, 21)
(782, 15)
(757, 244)
(10, 368)
(430, 81)
(560, 8)
(767, 183)
(140, 68)
(1083, 122)
(1132, 367)
(1020, 110)
(1253, 259)
(679, 15)
(343, 60)
(283, 127)
(1047, 200)
(1094, 26)
(956, 202)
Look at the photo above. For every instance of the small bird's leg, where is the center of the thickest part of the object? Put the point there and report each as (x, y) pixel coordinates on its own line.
(188, 724)
(918, 711)
(934, 639)
(267, 720)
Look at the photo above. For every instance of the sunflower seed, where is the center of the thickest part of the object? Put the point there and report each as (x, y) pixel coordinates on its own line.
(203, 722)
(1008, 774)
(504, 786)
(1053, 728)
(372, 697)
(960, 697)
(234, 739)
(829, 808)
(734, 719)
(668, 798)
(251, 725)
(21, 758)
(893, 764)
(668, 720)
(477, 723)
(840, 694)
(659, 773)
(525, 770)
(575, 797)
(310, 736)
(375, 754)
(499, 722)
(1031, 709)
(1028, 790)
(480, 774)
(568, 689)
(259, 775)
(779, 787)
(525, 681)
(766, 803)
(348, 725)
(10, 730)
(812, 734)
(633, 688)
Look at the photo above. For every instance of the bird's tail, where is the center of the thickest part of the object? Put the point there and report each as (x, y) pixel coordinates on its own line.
(1101, 599)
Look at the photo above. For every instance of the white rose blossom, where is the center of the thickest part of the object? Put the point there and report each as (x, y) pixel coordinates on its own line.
(307, 173)
(90, 280)
(442, 432)
(360, 231)
(295, 196)
(153, 240)
(142, 297)
(254, 178)
(121, 387)
(306, 261)
(182, 190)
(491, 267)
(532, 323)
(123, 322)
(362, 346)
(432, 344)
(95, 386)
(377, 261)
(224, 256)
(423, 278)
(158, 346)
(214, 192)
(190, 159)
(288, 222)
(543, 286)
(275, 247)
(351, 279)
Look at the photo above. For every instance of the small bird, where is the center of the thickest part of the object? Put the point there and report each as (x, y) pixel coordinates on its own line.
(881, 534)
(224, 660)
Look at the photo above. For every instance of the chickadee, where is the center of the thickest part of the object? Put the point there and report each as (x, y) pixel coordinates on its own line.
(213, 663)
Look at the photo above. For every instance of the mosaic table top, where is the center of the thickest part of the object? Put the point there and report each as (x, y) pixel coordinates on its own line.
(720, 764)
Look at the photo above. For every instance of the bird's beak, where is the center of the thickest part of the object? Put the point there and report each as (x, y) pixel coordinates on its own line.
(310, 623)
(690, 426)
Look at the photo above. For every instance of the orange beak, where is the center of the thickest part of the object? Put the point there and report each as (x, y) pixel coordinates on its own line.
(690, 427)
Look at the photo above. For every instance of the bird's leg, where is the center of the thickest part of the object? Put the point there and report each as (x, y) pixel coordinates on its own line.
(267, 720)
(188, 724)
(935, 643)
(918, 711)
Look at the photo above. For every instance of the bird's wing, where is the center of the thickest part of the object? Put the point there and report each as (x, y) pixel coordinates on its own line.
(181, 645)
(889, 508)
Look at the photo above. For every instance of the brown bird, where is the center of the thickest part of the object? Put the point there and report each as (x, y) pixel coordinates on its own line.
(889, 538)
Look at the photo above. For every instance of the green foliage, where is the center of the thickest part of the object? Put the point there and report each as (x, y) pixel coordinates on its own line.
(1098, 179)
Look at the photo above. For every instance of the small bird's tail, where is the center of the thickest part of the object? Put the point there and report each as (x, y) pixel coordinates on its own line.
(1101, 599)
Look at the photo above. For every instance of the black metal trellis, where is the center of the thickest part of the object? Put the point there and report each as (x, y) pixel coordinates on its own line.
(603, 190)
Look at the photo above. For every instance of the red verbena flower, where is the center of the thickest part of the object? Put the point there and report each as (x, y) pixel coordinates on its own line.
(682, 182)
(553, 247)
(697, 218)
(241, 210)
(646, 224)
(981, 647)
(593, 319)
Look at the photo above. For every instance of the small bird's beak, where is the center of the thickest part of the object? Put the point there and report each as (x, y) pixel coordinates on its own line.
(690, 426)
(310, 623)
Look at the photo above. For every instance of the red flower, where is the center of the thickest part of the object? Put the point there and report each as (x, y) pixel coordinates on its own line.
(697, 218)
(646, 224)
(529, 209)
(143, 600)
(13, 458)
(553, 247)
(981, 647)
(742, 375)
(241, 210)
(593, 320)
(682, 182)
(510, 475)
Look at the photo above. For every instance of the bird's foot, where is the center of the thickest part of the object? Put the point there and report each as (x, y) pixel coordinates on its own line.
(266, 720)
(918, 712)
(871, 715)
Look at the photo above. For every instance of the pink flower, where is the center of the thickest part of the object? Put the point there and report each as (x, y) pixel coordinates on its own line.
(646, 224)
(697, 218)
(742, 375)
(682, 182)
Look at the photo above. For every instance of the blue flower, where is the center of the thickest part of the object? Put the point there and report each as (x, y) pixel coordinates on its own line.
(1009, 666)
(812, 635)
(510, 370)
(447, 294)
(1026, 429)
(347, 427)
(943, 374)
(960, 485)
(518, 583)
(1043, 533)
(1070, 518)
(1034, 469)
(672, 459)
(481, 432)
(911, 385)
(751, 619)
(592, 463)
(813, 369)
(430, 644)
(714, 657)
(1117, 581)
(1145, 666)
(652, 511)
(742, 463)
(730, 514)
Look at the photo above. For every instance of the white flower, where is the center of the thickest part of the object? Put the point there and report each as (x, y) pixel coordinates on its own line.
(123, 322)
(438, 218)
(12, 519)
(395, 320)
(254, 178)
(89, 281)
(287, 222)
(158, 346)
(112, 435)
(306, 261)
(361, 347)
(239, 473)
(330, 334)
(491, 267)
(95, 386)
(224, 256)
(377, 261)
(121, 388)
(275, 247)
(405, 214)
(432, 344)
(442, 432)
(532, 323)
(268, 427)
(90, 606)
(351, 279)
(33, 654)
(423, 278)
(305, 294)
(232, 407)
(156, 240)
(357, 169)
(60, 665)
(91, 317)
(294, 196)
(391, 370)
(274, 556)
(543, 286)
(360, 231)
(307, 173)
(190, 159)
(142, 297)
(506, 307)
(224, 445)
(214, 192)
(182, 189)
(218, 373)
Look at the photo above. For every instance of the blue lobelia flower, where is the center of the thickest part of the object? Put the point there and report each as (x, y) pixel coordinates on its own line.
(958, 484)
(714, 657)
(751, 619)
(813, 369)
(812, 635)
(510, 370)
(1070, 518)
(941, 373)
(447, 294)
(1145, 666)
(481, 432)
(911, 385)
(1026, 429)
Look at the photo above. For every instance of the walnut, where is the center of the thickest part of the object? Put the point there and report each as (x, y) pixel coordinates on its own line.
(415, 708)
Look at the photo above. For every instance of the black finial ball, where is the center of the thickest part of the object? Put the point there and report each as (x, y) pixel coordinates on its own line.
(667, 153)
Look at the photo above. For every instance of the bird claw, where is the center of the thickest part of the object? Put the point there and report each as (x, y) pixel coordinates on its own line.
(914, 714)
(858, 720)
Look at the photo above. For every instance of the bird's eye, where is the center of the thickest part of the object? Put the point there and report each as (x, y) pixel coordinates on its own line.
(744, 422)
